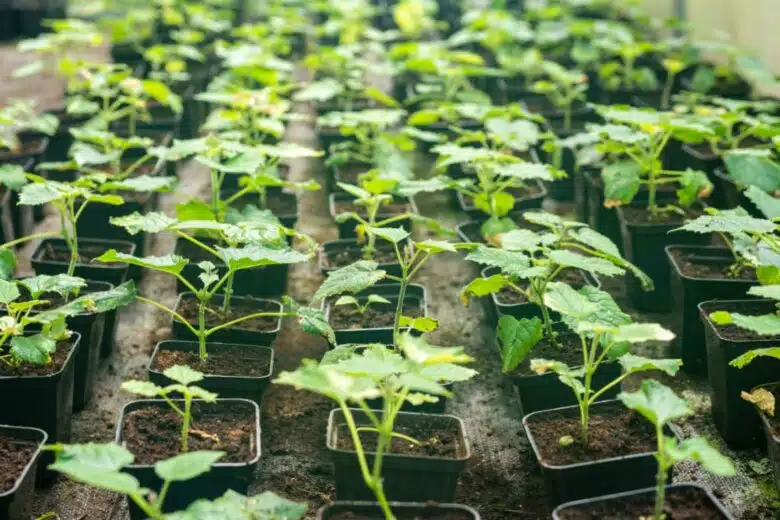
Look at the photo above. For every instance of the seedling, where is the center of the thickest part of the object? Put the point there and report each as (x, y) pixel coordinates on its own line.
(23, 314)
(541, 258)
(250, 244)
(563, 89)
(601, 342)
(755, 168)
(21, 116)
(623, 71)
(376, 372)
(366, 128)
(59, 49)
(763, 325)
(359, 308)
(183, 377)
(496, 168)
(100, 466)
(643, 136)
(745, 236)
(660, 405)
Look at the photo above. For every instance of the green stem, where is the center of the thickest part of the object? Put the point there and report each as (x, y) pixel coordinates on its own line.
(667, 94)
(202, 333)
(28, 238)
(228, 292)
(151, 511)
(248, 317)
(169, 311)
(660, 492)
(185, 424)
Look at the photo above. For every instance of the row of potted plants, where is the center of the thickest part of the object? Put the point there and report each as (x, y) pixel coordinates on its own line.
(500, 149)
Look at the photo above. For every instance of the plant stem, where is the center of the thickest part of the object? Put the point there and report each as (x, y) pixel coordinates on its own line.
(28, 238)
(185, 425)
(660, 491)
(667, 94)
(202, 333)
(228, 292)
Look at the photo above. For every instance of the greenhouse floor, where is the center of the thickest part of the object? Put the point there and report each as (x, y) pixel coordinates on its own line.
(500, 481)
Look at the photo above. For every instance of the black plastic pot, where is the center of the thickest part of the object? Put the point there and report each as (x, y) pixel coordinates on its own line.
(16, 503)
(36, 151)
(7, 232)
(283, 204)
(53, 410)
(334, 246)
(772, 439)
(221, 477)
(378, 334)
(347, 229)
(235, 334)
(560, 512)
(114, 274)
(405, 478)
(595, 478)
(604, 220)
(401, 509)
(687, 292)
(241, 387)
(734, 417)
(635, 97)
(523, 201)
(731, 195)
(643, 245)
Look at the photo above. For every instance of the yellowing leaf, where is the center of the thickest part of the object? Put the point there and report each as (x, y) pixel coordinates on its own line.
(762, 398)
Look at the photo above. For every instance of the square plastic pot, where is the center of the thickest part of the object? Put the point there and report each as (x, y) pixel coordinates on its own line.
(16, 503)
(772, 439)
(115, 274)
(406, 478)
(213, 484)
(347, 229)
(402, 509)
(237, 334)
(334, 246)
(570, 482)
(378, 334)
(239, 387)
(687, 292)
(560, 512)
(522, 202)
(734, 417)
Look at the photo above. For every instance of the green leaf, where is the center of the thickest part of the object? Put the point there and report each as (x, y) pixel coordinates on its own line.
(607, 313)
(258, 255)
(94, 303)
(565, 300)
(7, 264)
(656, 402)
(633, 364)
(497, 204)
(766, 203)
(187, 466)
(235, 506)
(350, 279)
(728, 223)
(699, 450)
(482, 287)
(142, 183)
(749, 167)
(748, 357)
(424, 118)
(312, 320)
(766, 291)
(495, 226)
(436, 246)
(8, 292)
(420, 324)
(142, 388)
(183, 374)
(766, 325)
(694, 185)
(98, 465)
(12, 176)
(393, 235)
(417, 349)
(516, 338)
(641, 332)
(591, 264)
(622, 181)
(135, 223)
(519, 135)
(512, 263)
(37, 193)
(172, 264)
(597, 241)
(380, 97)
(287, 150)
(36, 349)
(526, 171)
(322, 90)
(329, 381)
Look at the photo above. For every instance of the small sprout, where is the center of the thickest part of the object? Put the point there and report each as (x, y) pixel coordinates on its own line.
(360, 309)
(566, 440)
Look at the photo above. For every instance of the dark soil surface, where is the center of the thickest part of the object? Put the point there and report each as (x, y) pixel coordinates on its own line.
(689, 504)
(378, 315)
(58, 359)
(379, 516)
(434, 440)
(87, 253)
(568, 350)
(188, 307)
(279, 202)
(614, 432)
(640, 215)
(15, 454)
(341, 258)
(697, 265)
(734, 333)
(153, 434)
(227, 361)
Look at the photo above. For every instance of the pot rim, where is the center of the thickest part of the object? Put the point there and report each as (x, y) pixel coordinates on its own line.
(275, 330)
(173, 342)
(33, 460)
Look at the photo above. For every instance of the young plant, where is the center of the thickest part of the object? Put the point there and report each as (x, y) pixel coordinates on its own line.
(642, 136)
(19, 117)
(754, 168)
(100, 466)
(413, 375)
(365, 129)
(540, 259)
(601, 342)
(660, 405)
(763, 325)
(250, 244)
(496, 168)
(563, 89)
(744, 235)
(359, 308)
(252, 116)
(70, 200)
(623, 72)
(183, 377)
(59, 50)
(21, 314)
